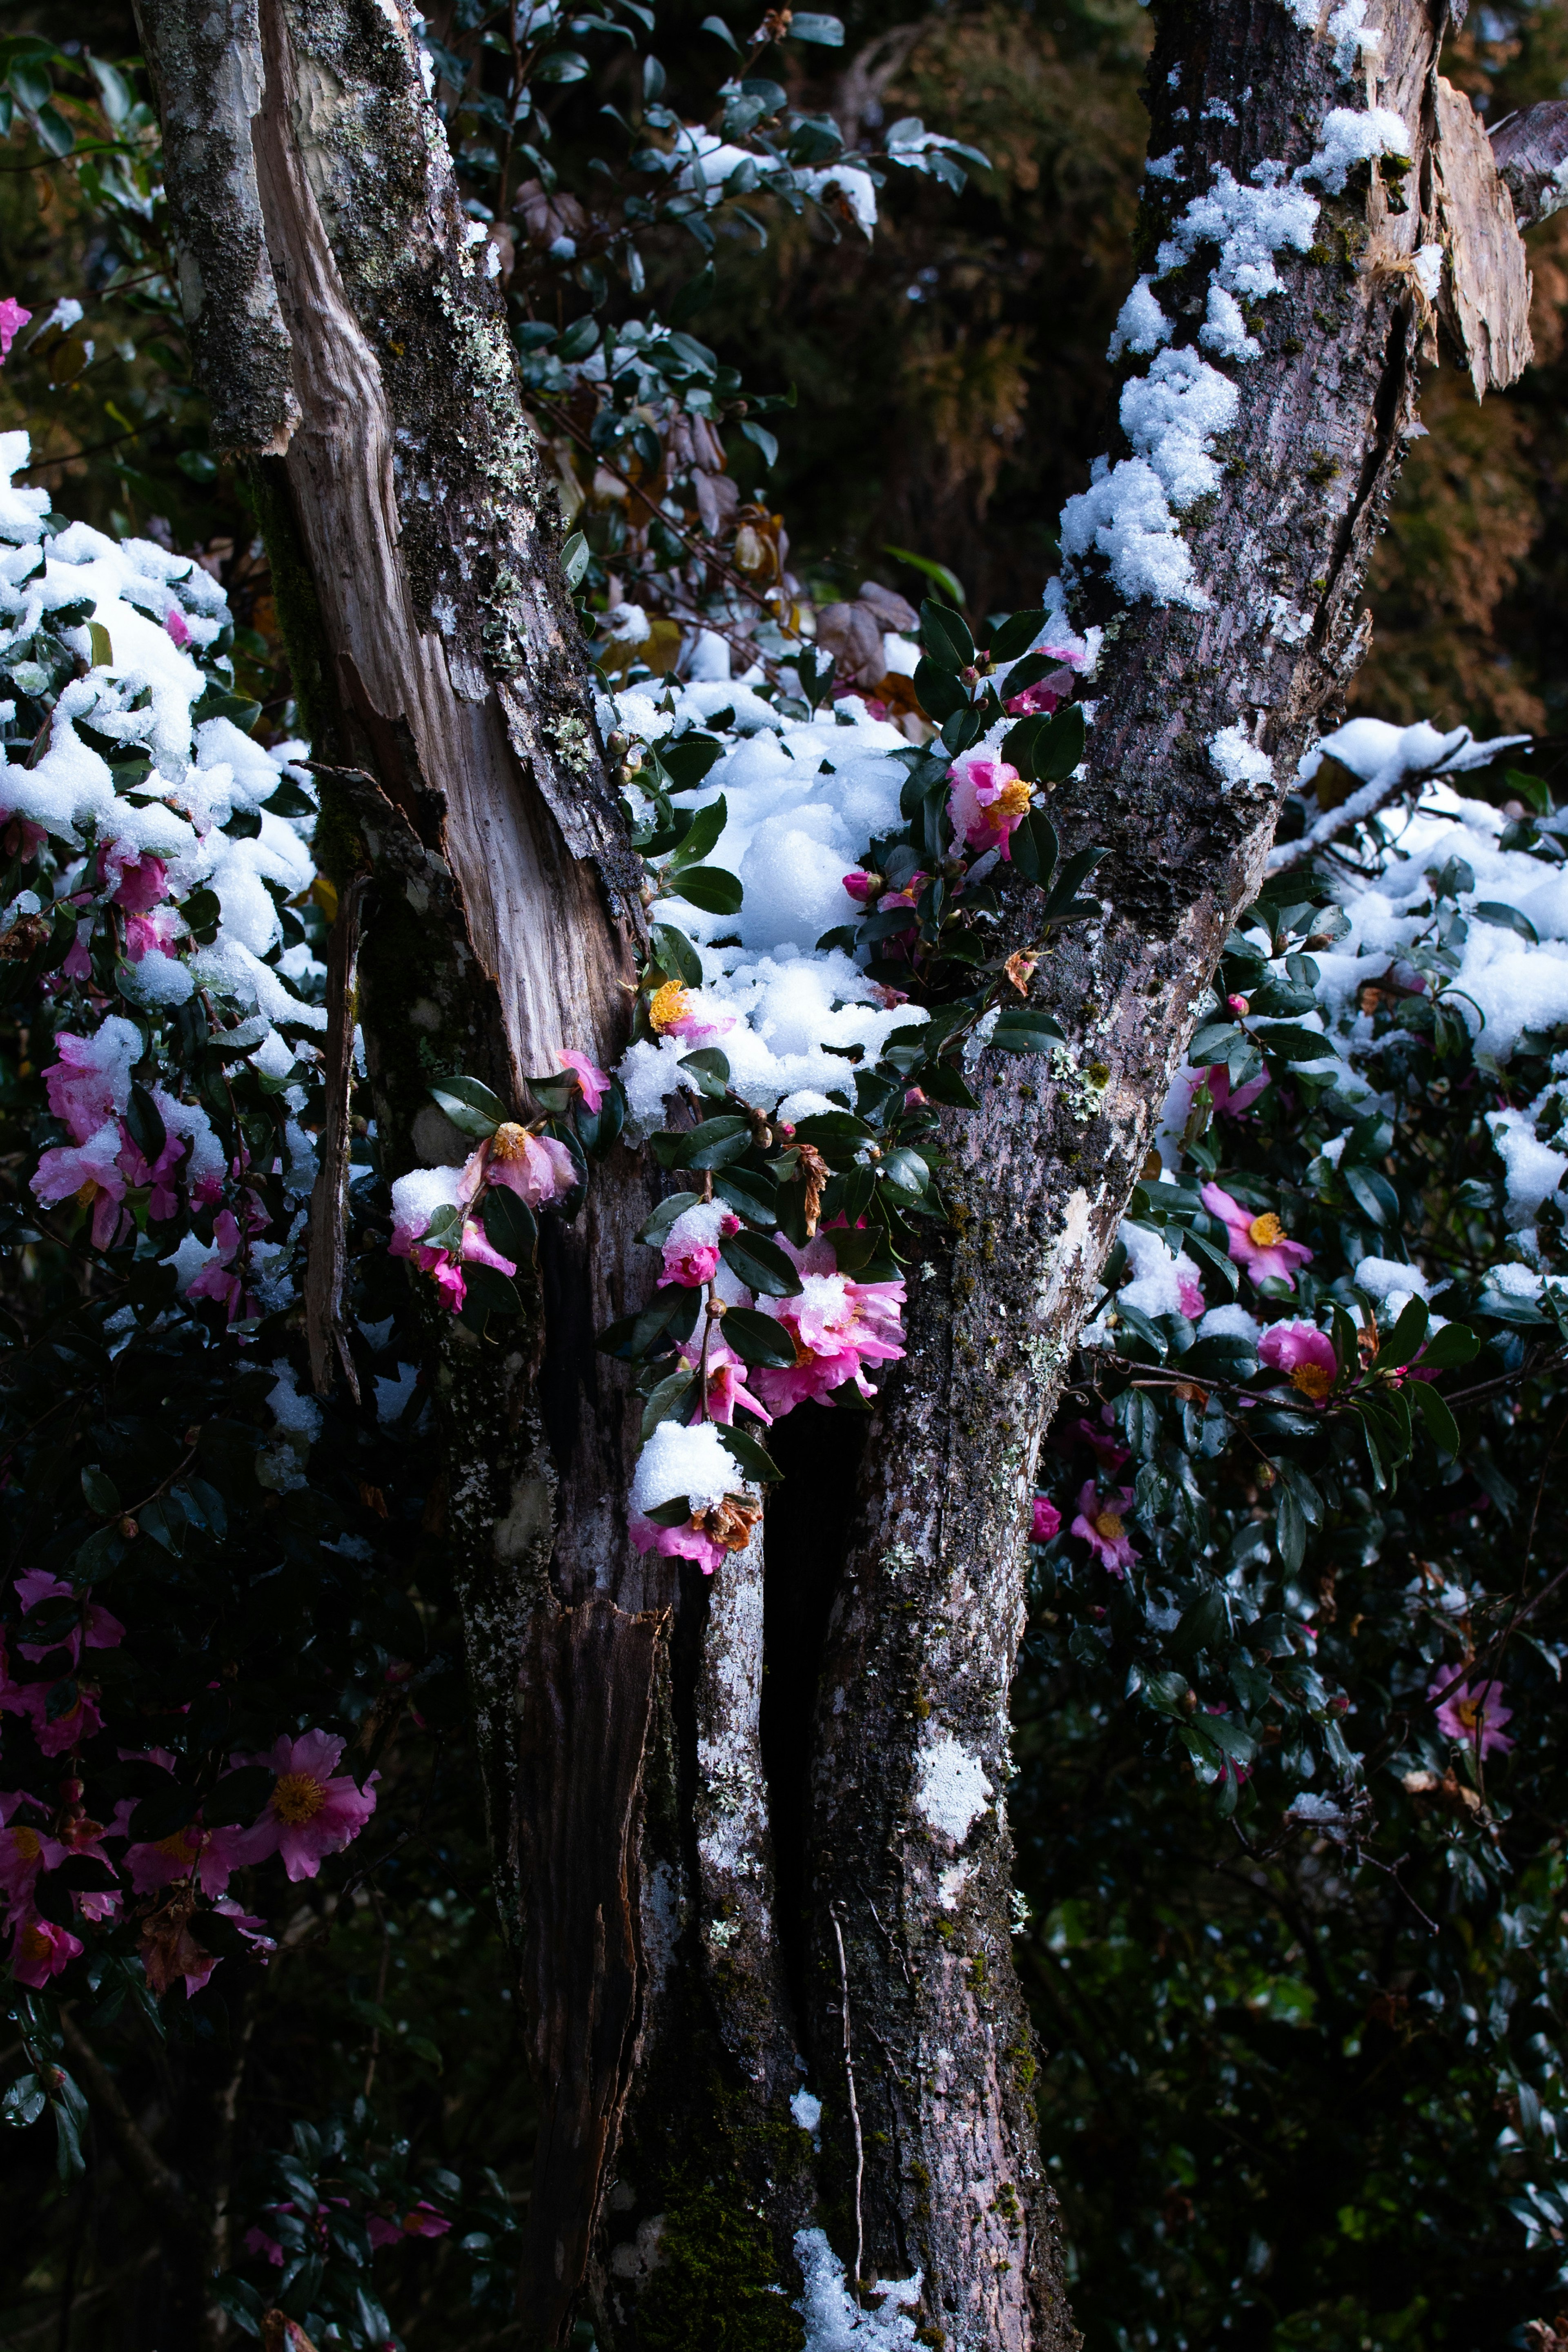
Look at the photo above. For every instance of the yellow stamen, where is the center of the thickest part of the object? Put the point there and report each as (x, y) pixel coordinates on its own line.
(509, 1141)
(1313, 1381)
(1109, 1527)
(26, 1843)
(1012, 799)
(1264, 1231)
(667, 1005)
(298, 1797)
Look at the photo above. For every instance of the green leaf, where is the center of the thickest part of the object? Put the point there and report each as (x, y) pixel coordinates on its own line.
(748, 1455)
(700, 838)
(945, 636)
(561, 65)
(469, 1104)
(1023, 1031)
(101, 1494)
(687, 762)
(576, 557)
(760, 1265)
(489, 1293)
(710, 887)
(578, 339)
(674, 953)
(675, 1399)
(826, 31)
(658, 1227)
(1015, 636)
(1505, 919)
(711, 1068)
(238, 1796)
(1404, 1340)
(757, 1339)
(941, 1083)
(23, 2101)
(941, 694)
(752, 1192)
(758, 435)
(1441, 1426)
(946, 580)
(1059, 748)
(1455, 1343)
(1290, 1531)
(905, 1172)
(716, 1142)
(509, 1223)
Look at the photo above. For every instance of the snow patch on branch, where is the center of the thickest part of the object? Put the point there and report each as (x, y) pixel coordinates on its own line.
(834, 2321)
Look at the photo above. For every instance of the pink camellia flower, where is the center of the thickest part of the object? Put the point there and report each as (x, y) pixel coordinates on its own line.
(988, 802)
(154, 934)
(593, 1081)
(144, 884)
(310, 1814)
(838, 1325)
(86, 1172)
(40, 1951)
(13, 319)
(727, 1375)
(421, 2220)
(1099, 1523)
(1303, 1352)
(23, 1852)
(213, 1856)
(220, 1279)
(1259, 1244)
(1230, 1101)
(91, 1080)
(1045, 1521)
(535, 1166)
(1472, 1712)
(175, 621)
(81, 1720)
(674, 1012)
(858, 885)
(1189, 1290)
(268, 2250)
(1047, 693)
(103, 1632)
(691, 1244)
(158, 1178)
(1103, 1442)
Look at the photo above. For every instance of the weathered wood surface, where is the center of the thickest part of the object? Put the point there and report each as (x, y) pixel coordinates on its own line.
(1485, 298)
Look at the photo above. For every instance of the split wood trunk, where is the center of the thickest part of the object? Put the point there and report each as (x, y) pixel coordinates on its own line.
(751, 1833)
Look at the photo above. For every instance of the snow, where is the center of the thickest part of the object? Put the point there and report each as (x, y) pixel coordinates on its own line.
(1141, 325)
(1249, 223)
(1238, 760)
(834, 2321)
(1349, 137)
(678, 1461)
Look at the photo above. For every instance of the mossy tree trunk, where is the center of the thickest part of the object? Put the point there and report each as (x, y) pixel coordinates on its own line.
(710, 1878)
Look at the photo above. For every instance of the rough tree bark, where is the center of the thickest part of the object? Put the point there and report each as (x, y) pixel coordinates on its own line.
(707, 1880)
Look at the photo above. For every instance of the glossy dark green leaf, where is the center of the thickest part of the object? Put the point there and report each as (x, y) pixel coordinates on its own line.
(469, 1104)
(757, 1339)
(710, 887)
(760, 1264)
(749, 1457)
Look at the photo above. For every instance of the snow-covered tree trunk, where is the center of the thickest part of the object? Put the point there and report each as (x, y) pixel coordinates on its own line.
(705, 1874)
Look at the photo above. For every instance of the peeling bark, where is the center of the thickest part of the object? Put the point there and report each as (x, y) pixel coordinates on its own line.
(1486, 287)
(759, 1825)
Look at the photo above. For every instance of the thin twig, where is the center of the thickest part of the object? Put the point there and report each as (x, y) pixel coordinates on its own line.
(327, 1249)
(854, 2103)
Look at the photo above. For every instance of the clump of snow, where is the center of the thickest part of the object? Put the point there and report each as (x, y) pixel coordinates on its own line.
(834, 2321)
(1141, 325)
(678, 1461)
(1238, 760)
(1349, 136)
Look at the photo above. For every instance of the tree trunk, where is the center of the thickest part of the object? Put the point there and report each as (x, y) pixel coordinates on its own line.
(711, 1880)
